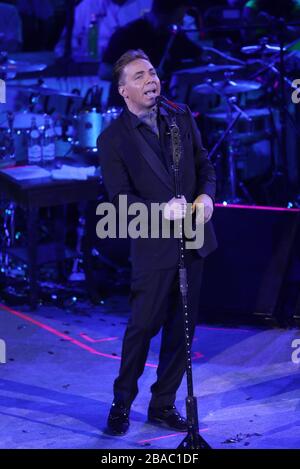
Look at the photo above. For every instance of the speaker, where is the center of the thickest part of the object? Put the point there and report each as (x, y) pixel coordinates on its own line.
(248, 273)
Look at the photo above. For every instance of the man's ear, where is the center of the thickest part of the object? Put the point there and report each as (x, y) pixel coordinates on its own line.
(122, 91)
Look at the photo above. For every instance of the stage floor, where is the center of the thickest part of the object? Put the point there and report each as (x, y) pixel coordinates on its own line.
(56, 384)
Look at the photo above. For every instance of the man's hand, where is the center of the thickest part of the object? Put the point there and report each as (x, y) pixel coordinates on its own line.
(175, 209)
(208, 207)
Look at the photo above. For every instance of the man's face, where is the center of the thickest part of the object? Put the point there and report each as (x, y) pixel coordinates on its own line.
(140, 85)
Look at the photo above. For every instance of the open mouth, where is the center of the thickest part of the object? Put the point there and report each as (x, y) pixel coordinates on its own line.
(151, 93)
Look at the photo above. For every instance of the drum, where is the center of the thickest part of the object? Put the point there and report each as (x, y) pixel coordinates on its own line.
(184, 81)
(257, 127)
(252, 139)
(91, 123)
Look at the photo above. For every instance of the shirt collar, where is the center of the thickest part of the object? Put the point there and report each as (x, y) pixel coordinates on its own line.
(136, 121)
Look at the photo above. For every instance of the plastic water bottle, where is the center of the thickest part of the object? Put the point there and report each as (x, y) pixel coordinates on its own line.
(93, 33)
(48, 142)
(34, 144)
(58, 129)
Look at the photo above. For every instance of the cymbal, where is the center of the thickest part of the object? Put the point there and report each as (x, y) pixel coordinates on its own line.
(262, 49)
(227, 87)
(209, 68)
(14, 66)
(43, 90)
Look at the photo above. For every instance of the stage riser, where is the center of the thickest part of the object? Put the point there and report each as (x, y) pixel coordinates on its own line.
(247, 274)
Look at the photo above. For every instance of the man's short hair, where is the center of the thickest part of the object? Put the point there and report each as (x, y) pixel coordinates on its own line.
(126, 59)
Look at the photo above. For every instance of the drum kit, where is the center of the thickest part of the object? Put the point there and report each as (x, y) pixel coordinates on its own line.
(77, 120)
(248, 140)
(237, 117)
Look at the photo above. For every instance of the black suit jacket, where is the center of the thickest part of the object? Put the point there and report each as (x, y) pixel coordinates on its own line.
(130, 166)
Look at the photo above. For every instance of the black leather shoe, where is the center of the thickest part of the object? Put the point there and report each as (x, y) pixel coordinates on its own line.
(118, 419)
(168, 417)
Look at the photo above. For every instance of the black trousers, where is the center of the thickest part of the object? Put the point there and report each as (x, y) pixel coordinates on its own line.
(156, 303)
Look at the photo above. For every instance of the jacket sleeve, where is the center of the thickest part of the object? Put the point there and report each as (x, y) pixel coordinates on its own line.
(206, 175)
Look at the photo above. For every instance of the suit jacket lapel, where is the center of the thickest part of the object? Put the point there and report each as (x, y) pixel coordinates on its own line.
(145, 150)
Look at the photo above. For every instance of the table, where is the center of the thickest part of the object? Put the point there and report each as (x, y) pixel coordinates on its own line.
(33, 194)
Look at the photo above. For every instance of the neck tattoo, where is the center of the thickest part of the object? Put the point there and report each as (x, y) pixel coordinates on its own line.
(150, 118)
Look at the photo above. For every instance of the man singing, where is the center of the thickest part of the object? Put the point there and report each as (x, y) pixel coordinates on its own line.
(136, 158)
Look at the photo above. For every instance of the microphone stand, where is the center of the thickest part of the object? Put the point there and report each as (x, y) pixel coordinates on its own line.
(165, 56)
(232, 106)
(193, 440)
(69, 32)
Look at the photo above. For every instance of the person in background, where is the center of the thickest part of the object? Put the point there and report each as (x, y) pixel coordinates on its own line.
(42, 22)
(152, 34)
(226, 14)
(10, 28)
(109, 15)
(268, 12)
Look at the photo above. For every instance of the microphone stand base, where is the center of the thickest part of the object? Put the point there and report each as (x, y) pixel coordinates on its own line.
(194, 440)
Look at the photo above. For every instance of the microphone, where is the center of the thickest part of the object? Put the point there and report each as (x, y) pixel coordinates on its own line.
(169, 105)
